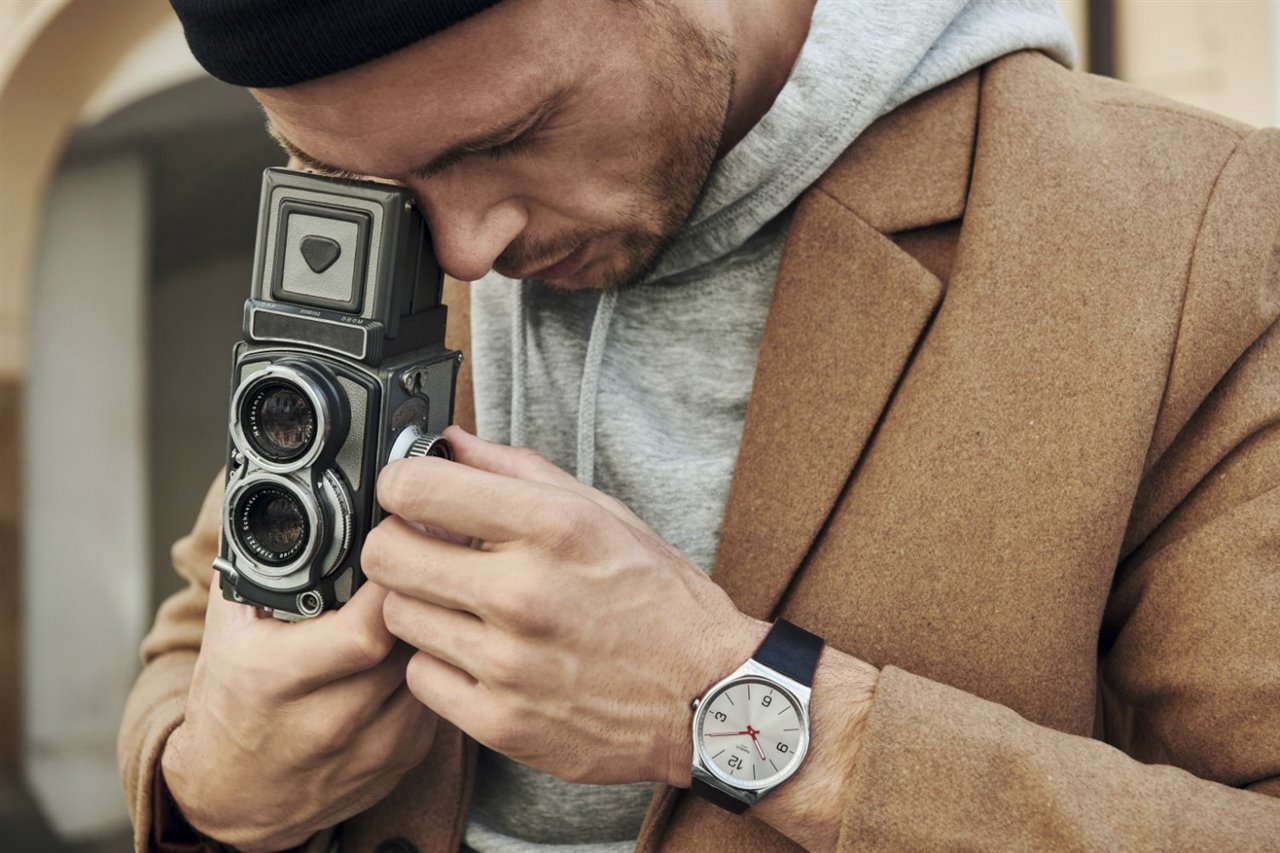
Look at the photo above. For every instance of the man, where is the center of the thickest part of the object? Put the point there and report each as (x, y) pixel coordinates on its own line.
(1011, 447)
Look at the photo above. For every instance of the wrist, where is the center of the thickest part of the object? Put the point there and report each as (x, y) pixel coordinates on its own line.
(199, 811)
(727, 647)
(809, 807)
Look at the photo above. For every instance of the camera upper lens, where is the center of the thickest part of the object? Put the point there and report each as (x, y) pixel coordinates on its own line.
(272, 524)
(280, 421)
(289, 415)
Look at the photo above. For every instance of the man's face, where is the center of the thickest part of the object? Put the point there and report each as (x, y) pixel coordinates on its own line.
(543, 139)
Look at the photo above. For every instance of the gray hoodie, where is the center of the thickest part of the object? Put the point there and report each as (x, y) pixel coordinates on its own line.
(643, 392)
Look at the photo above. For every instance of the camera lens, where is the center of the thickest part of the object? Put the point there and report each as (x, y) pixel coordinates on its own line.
(281, 421)
(272, 524)
(290, 415)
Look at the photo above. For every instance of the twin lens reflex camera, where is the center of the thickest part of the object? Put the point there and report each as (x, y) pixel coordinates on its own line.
(342, 369)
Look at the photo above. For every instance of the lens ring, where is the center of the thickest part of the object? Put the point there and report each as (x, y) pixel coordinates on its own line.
(272, 523)
(280, 421)
(285, 415)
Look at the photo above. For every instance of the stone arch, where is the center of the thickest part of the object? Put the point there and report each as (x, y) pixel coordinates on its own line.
(53, 56)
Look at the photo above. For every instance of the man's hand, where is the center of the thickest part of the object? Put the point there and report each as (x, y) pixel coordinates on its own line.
(573, 639)
(290, 728)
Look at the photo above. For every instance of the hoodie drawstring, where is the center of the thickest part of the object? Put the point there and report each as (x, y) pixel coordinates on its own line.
(589, 390)
(519, 362)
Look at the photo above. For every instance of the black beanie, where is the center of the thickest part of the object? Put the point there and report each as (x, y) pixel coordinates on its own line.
(266, 43)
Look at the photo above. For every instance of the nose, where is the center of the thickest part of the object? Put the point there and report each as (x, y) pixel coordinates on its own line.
(468, 230)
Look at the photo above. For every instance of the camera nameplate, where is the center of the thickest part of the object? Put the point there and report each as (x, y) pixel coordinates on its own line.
(289, 324)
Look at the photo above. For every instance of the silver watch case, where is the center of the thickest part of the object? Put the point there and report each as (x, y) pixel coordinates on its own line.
(750, 793)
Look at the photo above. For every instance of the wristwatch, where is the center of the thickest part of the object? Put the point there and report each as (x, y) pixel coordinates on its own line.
(751, 730)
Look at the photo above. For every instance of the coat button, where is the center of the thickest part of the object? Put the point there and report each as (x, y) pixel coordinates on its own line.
(396, 845)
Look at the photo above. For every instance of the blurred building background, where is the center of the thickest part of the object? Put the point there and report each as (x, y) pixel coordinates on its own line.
(129, 182)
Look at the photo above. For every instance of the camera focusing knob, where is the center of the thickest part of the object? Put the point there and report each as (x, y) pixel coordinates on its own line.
(430, 445)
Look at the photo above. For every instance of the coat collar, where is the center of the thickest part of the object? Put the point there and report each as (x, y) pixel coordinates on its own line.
(911, 168)
(848, 309)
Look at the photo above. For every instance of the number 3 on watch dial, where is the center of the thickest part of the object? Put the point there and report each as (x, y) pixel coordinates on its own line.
(750, 732)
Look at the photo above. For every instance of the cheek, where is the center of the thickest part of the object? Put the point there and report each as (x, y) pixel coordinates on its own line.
(565, 195)
(598, 172)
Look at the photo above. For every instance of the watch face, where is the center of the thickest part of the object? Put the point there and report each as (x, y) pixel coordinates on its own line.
(751, 733)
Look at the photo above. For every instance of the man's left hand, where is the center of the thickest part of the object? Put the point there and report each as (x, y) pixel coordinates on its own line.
(573, 639)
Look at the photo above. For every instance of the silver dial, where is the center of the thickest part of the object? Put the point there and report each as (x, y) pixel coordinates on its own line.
(751, 732)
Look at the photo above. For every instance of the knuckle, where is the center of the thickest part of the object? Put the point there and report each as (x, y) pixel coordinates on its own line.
(507, 666)
(366, 648)
(529, 460)
(526, 603)
(417, 678)
(569, 520)
(325, 734)
(393, 612)
(503, 732)
(373, 555)
(396, 490)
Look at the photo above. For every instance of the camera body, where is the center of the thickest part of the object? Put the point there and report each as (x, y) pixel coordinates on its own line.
(342, 368)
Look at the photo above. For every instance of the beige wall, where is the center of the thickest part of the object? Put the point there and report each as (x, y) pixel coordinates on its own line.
(53, 55)
(1221, 55)
(1217, 54)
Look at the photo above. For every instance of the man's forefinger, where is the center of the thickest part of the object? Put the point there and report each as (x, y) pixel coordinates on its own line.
(479, 504)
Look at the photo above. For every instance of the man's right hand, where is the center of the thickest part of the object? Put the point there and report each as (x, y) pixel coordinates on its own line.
(291, 728)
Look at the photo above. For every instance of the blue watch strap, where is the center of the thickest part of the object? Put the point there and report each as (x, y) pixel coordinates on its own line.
(790, 650)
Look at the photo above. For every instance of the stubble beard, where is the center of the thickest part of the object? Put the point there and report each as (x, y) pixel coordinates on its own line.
(692, 84)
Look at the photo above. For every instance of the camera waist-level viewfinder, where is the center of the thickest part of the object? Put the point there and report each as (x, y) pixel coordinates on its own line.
(342, 368)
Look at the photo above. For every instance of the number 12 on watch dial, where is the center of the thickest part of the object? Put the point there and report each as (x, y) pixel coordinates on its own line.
(751, 732)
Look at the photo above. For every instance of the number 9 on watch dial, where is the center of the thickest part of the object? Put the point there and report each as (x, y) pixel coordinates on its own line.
(751, 733)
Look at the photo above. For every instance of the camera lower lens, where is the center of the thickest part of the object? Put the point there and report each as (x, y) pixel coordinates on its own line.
(280, 422)
(272, 524)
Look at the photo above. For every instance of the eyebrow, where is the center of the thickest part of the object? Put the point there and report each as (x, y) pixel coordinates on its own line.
(526, 121)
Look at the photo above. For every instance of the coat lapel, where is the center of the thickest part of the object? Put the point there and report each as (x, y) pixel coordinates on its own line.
(848, 308)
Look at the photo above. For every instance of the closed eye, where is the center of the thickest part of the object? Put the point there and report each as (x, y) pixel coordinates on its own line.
(506, 143)
(514, 147)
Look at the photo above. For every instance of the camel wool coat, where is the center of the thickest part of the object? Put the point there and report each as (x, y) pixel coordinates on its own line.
(1014, 438)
